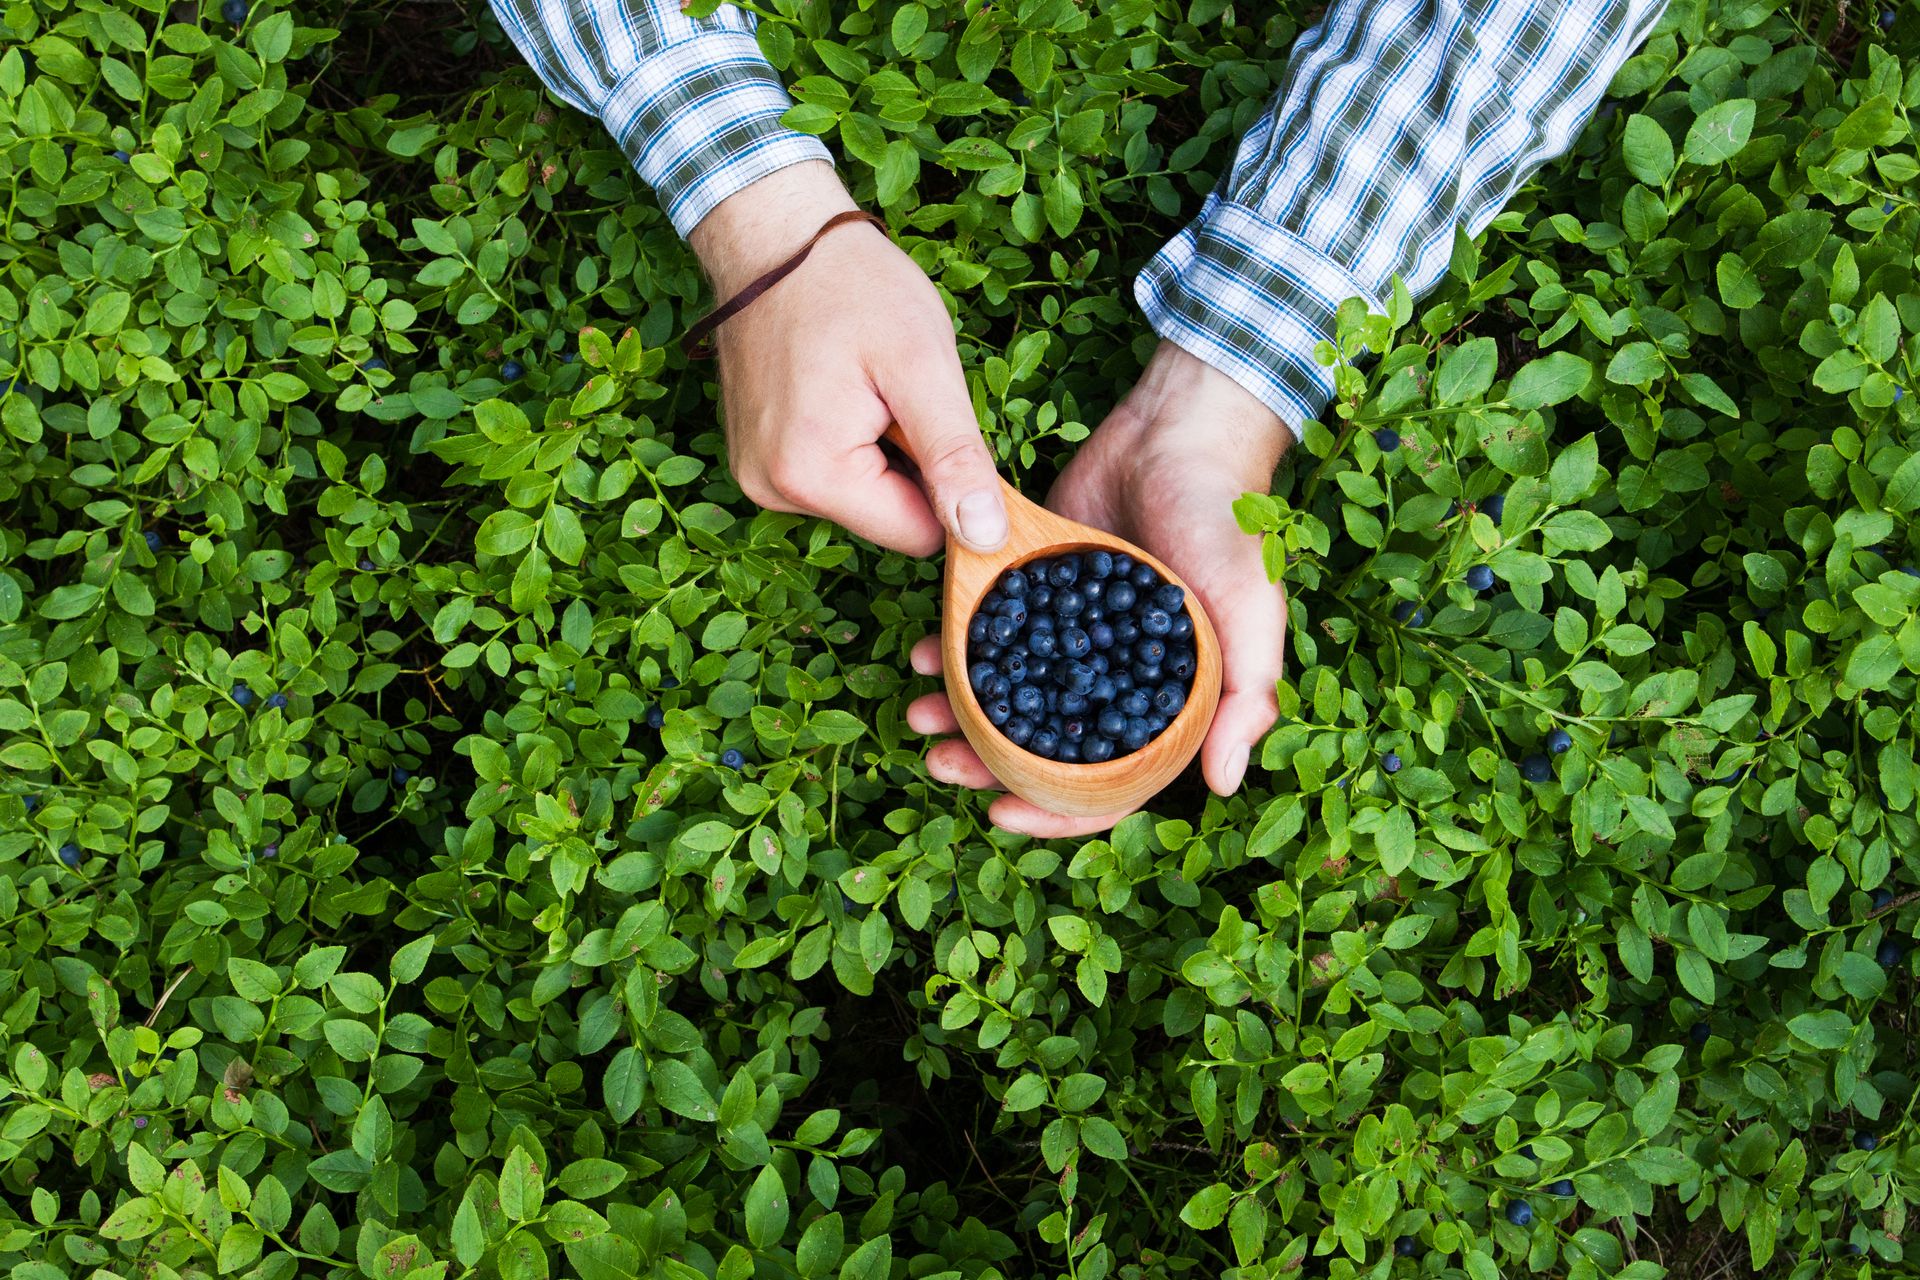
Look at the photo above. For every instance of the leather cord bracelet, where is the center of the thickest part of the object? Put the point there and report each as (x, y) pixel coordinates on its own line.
(698, 342)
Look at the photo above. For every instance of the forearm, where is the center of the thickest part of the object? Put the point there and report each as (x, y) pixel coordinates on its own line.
(690, 100)
(1395, 122)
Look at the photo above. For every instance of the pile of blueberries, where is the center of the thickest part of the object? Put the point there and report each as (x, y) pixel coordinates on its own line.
(1081, 657)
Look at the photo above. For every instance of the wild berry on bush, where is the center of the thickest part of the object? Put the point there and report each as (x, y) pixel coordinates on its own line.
(1480, 577)
(1890, 953)
(122, 156)
(1564, 1187)
(1559, 742)
(153, 540)
(1882, 899)
(242, 695)
(278, 701)
(70, 854)
(1494, 507)
(1410, 613)
(1390, 762)
(512, 370)
(1406, 1246)
(234, 11)
(270, 850)
(1536, 768)
(1387, 439)
(1865, 1141)
(733, 758)
(1081, 657)
(1520, 1213)
(1700, 1032)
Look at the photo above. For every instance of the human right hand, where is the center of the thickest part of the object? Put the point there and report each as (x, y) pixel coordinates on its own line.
(814, 371)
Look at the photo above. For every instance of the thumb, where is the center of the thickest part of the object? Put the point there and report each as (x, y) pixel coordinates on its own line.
(936, 416)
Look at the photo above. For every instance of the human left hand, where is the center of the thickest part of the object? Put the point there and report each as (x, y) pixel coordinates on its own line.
(1163, 471)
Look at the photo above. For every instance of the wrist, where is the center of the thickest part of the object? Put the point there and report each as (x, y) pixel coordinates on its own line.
(1183, 402)
(765, 222)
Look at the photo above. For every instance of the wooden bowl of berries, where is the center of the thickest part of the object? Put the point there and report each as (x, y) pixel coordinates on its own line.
(1082, 670)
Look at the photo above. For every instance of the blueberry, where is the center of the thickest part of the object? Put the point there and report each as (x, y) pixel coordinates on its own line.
(1147, 674)
(1480, 577)
(1495, 507)
(1890, 954)
(1138, 731)
(1181, 664)
(1520, 1213)
(655, 717)
(1886, 24)
(1120, 596)
(1169, 699)
(568, 357)
(243, 695)
(270, 852)
(1406, 1246)
(1122, 564)
(1169, 597)
(1135, 702)
(1068, 753)
(1093, 589)
(1536, 768)
(278, 701)
(1143, 577)
(1865, 1142)
(1387, 438)
(234, 11)
(1038, 669)
(1564, 1187)
(1125, 631)
(669, 682)
(1080, 677)
(400, 776)
(122, 157)
(1156, 622)
(1156, 724)
(1882, 899)
(732, 759)
(32, 803)
(1045, 742)
(1700, 1032)
(512, 370)
(1042, 622)
(372, 364)
(366, 565)
(153, 540)
(1039, 597)
(997, 686)
(1182, 627)
(1073, 729)
(1390, 762)
(1014, 609)
(1408, 612)
(1559, 742)
(1067, 603)
(1063, 572)
(1003, 629)
(1075, 643)
(1150, 651)
(999, 710)
(1013, 584)
(977, 629)
(1014, 667)
(979, 673)
(1099, 564)
(1887, 207)
(1017, 730)
(1104, 690)
(1096, 749)
(1100, 635)
(70, 854)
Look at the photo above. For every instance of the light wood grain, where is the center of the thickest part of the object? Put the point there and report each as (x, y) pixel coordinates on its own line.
(1080, 790)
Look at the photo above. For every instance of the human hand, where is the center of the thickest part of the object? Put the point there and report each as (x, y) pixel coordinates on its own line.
(1163, 471)
(814, 371)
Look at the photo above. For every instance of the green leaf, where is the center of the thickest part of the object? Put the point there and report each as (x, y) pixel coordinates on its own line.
(1720, 132)
(679, 1090)
(766, 1209)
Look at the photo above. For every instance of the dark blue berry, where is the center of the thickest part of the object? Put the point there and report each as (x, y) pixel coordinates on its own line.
(1142, 576)
(122, 156)
(373, 364)
(999, 710)
(1890, 954)
(1067, 603)
(1406, 1246)
(1882, 899)
(1073, 729)
(1520, 1213)
(1120, 596)
(1181, 665)
(655, 717)
(70, 854)
(1564, 1187)
(1080, 677)
(270, 852)
(400, 776)
(32, 803)
(1100, 635)
(1014, 610)
(1111, 723)
(234, 11)
(1480, 577)
(997, 686)
(733, 759)
(1045, 742)
(1067, 752)
(1536, 768)
(1017, 730)
(1096, 749)
(278, 701)
(1387, 438)
(977, 629)
(1150, 650)
(1075, 643)
(1408, 612)
(1169, 699)
(1156, 622)
(1390, 762)
(1700, 1032)
(1063, 572)
(979, 673)
(1559, 742)
(1886, 24)
(1865, 1142)
(1014, 667)
(1099, 564)
(1013, 584)
(366, 565)
(1495, 506)
(1169, 597)
(1136, 732)
(1136, 702)
(512, 370)
(1002, 629)
(243, 695)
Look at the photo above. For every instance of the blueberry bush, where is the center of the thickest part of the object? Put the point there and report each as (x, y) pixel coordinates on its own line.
(445, 831)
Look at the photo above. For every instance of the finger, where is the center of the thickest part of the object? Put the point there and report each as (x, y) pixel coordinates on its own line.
(932, 715)
(862, 493)
(1252, 630)
(928, 397)
(952, 760)
(926, 656)
(1029, 819)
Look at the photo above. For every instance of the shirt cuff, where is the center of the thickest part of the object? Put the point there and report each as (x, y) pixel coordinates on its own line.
(701, 119)
(1251, 299)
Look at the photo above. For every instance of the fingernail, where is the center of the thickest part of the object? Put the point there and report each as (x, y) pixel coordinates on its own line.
(1236, 770)
(983, 521)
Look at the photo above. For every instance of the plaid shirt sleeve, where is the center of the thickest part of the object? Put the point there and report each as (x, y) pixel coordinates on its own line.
(1395, 121)
(690, 100)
